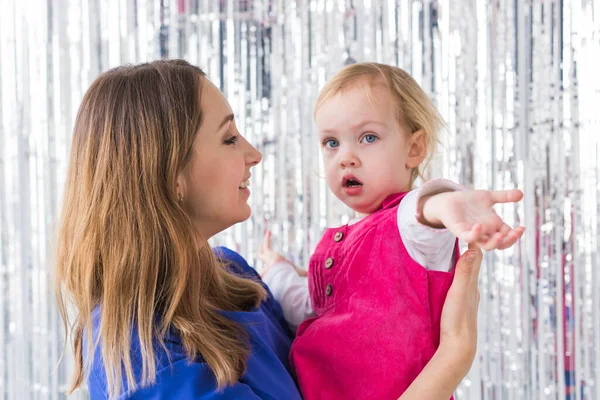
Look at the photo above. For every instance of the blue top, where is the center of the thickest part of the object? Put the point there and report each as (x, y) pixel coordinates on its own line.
(267, 369)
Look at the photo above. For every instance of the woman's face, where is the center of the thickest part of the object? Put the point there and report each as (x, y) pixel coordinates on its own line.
(214, 183)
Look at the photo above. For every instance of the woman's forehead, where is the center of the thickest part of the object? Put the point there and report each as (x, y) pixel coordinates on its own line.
(214, 105)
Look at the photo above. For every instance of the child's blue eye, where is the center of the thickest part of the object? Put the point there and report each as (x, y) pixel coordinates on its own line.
(331, 143)
(370, 138)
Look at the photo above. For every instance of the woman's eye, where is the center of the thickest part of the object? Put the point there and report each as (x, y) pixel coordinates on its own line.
(331, 143)
(231, 140)
(369, 138)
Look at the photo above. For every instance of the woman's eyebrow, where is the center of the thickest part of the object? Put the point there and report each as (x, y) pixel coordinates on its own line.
(227, 118)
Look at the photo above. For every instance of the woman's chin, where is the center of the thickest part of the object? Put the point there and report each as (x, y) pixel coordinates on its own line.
(247, 213)
(244, 214)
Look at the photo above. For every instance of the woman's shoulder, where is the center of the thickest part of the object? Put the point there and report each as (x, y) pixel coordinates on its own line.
(236, 263)
(239, 266)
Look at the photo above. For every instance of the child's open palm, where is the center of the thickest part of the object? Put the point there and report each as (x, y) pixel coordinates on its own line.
(470, 216)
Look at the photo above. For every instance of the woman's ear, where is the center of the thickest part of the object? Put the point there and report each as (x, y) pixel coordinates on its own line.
(417, 149)
(180, 188)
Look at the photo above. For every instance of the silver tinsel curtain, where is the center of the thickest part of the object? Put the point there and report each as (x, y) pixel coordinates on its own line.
(517, 82)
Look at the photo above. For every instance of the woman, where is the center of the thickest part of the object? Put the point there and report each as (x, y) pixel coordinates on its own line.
(157, 168)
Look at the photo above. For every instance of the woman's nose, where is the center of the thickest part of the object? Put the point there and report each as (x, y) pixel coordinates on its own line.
(254, 156)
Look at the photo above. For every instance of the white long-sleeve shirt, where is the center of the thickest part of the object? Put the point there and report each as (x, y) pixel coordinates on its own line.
(430, 247)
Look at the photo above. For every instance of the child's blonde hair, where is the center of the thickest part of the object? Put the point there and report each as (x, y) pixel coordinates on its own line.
(415, 110)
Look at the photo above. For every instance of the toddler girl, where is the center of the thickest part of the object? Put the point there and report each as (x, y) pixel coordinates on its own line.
(377, 285)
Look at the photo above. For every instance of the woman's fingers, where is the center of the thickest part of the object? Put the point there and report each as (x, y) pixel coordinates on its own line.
(467, 269)
(474, 260)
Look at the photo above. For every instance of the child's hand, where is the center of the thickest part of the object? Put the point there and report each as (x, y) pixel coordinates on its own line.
(271, 257)
(470, 216)
(267, 254)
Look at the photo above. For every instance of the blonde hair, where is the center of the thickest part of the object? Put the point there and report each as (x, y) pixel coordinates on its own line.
(414, 109)
(124, 243)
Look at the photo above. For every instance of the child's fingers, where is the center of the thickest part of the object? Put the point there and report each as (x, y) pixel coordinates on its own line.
(493, 243)
(503, 239)
(267, 239)
(504, 229)
(512, 237)
(472, 235)
(506, 196)
(266, 243)
(491, 224)
(488, 240)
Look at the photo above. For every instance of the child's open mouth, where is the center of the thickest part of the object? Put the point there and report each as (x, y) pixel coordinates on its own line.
(352, 185)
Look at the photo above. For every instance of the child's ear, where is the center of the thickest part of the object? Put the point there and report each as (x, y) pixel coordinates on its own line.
(417, 149)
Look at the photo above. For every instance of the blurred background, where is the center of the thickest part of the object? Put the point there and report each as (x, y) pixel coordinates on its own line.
(516, 81)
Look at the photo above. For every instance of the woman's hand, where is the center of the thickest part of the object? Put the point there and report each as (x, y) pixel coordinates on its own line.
(459, 316)
(458, 336)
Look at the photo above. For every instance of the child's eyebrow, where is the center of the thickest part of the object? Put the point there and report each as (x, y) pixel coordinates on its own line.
(361, 124)
(367, 122)
(327, 131)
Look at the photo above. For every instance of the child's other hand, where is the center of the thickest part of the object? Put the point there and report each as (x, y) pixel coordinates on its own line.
(470, 216)
(270, 257)
(267, 255)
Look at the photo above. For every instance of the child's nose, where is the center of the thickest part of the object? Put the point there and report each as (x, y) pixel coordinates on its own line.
(349, 159)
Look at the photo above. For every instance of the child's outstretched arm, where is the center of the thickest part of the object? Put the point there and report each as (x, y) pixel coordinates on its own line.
(470, 216)
(287, 282)
(432, 248)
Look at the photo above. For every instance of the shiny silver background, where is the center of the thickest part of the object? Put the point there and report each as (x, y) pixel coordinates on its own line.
(517, 82)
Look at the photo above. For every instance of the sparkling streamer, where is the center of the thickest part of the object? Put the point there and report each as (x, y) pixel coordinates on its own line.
(515, 81)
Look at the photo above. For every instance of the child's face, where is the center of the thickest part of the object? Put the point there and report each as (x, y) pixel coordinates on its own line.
(213, 183)
(365, 150)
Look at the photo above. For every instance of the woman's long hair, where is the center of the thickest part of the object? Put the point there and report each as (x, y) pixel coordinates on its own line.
(126, 247)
